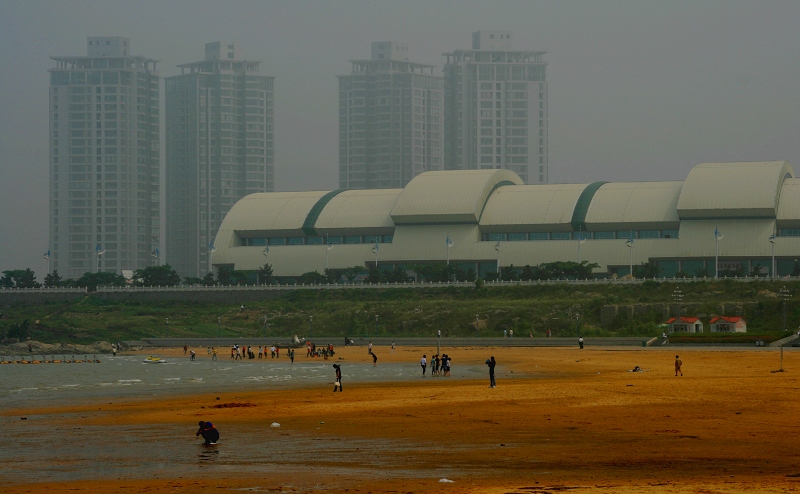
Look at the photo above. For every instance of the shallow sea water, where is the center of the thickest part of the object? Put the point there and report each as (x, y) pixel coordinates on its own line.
(47, 450)
(23, 385)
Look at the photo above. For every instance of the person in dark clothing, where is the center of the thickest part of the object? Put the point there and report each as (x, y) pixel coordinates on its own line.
(491, 363)
(338, 382)
(374, 359)
(209, 432)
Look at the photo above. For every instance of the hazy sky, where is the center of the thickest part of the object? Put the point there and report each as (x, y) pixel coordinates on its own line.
(638, 90)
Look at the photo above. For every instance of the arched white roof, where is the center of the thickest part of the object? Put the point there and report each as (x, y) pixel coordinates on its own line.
(271, 211)
(789, 206)
(633, 205)
(449, 196)
(733, 190)
(526, 207)
(358, 209)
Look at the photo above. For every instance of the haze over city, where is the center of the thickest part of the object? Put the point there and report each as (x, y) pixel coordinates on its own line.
(637, 91)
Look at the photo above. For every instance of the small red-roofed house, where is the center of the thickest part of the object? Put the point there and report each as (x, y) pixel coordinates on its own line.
(685, 325)
(725, 324)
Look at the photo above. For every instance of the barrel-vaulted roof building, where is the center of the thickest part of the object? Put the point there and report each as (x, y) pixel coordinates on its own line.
(481, 218)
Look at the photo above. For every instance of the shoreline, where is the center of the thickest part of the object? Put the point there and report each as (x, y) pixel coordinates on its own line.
(576, 419)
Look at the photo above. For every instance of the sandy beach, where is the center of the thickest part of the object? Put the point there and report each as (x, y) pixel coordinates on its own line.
(560, 419)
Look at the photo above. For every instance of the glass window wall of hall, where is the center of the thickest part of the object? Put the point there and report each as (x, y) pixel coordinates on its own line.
(311, 240)
(607, 235)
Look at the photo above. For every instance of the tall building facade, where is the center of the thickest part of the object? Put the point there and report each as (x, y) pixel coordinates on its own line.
(104, 159)
(496, 108)
(219, 145)
(390, 120)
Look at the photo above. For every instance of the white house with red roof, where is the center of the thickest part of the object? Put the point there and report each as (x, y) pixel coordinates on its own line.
(685, 324)
(725, 324)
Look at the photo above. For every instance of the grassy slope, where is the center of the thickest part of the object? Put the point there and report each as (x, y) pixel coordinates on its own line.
(406, 312)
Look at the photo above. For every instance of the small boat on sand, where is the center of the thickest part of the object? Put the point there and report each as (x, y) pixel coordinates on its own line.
(154, 360)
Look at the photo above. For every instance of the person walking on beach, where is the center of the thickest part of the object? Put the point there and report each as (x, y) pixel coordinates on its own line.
(185, 348)
(191, 354)
(369, 348)
(374, 360)
(423, 362)
(393, 345)
(491, 363)
(213, 353)
(338, 382)
(291, 355)
(580, 342)
(678, 364)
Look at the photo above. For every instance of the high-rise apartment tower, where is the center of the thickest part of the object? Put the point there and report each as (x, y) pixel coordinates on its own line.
(496, 108)
(220, 147)
(104, 159)
(390, 120)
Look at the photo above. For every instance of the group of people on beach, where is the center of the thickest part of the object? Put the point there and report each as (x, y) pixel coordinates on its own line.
(440, 364)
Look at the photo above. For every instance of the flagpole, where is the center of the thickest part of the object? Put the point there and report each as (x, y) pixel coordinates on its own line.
(716, 253)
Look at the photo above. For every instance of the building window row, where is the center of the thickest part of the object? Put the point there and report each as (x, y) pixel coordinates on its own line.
(602, 235)
(333, 240)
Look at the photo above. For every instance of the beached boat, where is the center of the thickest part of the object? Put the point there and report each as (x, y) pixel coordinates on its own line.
(154, 360)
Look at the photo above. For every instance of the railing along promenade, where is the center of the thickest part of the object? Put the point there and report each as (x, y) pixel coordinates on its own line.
(407, 285)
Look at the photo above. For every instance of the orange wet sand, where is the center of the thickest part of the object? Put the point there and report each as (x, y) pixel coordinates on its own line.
(576, 422)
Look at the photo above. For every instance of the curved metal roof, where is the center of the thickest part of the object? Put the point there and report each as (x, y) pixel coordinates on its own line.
(527, 206)
(453, 196)
(358, 209)
(733, 190)
(634, 203)
(271, 211)
(789, 205)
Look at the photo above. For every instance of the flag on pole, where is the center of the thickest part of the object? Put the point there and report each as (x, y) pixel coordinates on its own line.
(629, 242)
(581, 238)
(99, 251)
(265, 251)
(155, 253)
(47, 255)
(449, 243)
(771, 239)
(329, 246)
(497, 246)
(375, 248)
(211, 247)
(717, 234)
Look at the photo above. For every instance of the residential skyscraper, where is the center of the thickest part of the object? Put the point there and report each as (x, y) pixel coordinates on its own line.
(496, 108)
(104, 159)
(390, 120)
(220, 147)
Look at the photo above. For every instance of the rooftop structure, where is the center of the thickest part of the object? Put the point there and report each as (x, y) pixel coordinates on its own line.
(491, 217)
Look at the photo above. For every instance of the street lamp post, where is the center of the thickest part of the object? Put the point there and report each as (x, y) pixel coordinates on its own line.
(784, 294)
(677, 297)
(310, 326)
(167, 321)
(577, 324)
(629, 244)
(376, 324)
(219, 325)
(265, 326)
(476, 325)
(497, 248)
